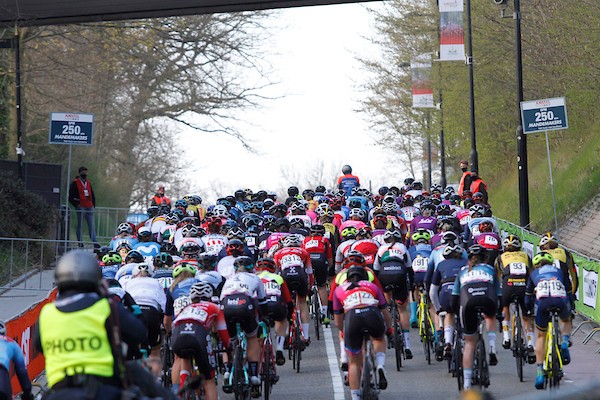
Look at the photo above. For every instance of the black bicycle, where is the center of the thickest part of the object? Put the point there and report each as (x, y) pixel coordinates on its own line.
(519, 348)
(397, 339)
(481, 369)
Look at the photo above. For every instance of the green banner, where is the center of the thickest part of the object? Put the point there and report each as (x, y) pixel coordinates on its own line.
(587, 302)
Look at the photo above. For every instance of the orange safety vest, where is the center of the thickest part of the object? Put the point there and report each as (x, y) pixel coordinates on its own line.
(85, 193)
(157, 200)
(461, 185)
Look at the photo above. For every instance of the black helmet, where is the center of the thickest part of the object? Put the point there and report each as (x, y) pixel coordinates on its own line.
(245, 262)
(357, 273)
(78, 270)
(476, 250)
(207, 261)
(346, 169)
(134, 256)
(293, 191)
(320, 189)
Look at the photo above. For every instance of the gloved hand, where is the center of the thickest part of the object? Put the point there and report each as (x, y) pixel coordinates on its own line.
(389, 332)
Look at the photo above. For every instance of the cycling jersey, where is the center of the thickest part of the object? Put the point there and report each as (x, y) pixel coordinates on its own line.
(347, 183)
(244, 283)
(564, 260)
(147, 291)
(214, 278)
(368, 248)
(164, 276)
(278, 295)
(225, 266)
(410, 212)
(551, 288)
(472, 228)
(10, 351)
(214, 242)
(419, 255)
(350, 296)
(116, 241)
(293, 257)
(464, 216)
(321, 253)
(147, 249)
(341, 251)
(179, 297)
(442, 283)
(109, 271)
(124, 273)
(391, 252)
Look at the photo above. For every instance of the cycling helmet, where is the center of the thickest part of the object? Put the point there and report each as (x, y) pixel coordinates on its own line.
(421, 235)
(224, 202)
(297, 222)
(320, 189)
(172, 219)
(265, 264)
(436, 188)
(2, 328)
(279, 222)
(354, 257)
(409, 181)
(163, 259)
(256, 205)
(201, 291)
(543, 258)
(393, 236)
(383, 190)
(322, 209)
(443, 209)
(293, 191)
(181, 204)
(292, 240)
(328, 214)
(220, 211)
(408, 200)
(268, 221)
(152, 211)
(512, 242)
(245, 262)
(486, 226)
(141, 268)
(78, 270)
(357, 212)
(184, 267)
(228, 225)
(427, 205)
(124, 227)
(144, 232)
(249, 220)
(189, 248)
(365, 231)
(134, 256)
(297, 206)
(112, 258)
(236, 233)
(452, 250)
(268, 203)
(164, 209)
(308, 193)
(317, 230)
(389, 199)
(179, 212)
(547, 239)
(236, 244)
(356, 274)
(207, 261)
(476, 250)
(346, 169)
(477, 209)
(455, 199)
(282, 208)
(349, 232)
(416, 185)
(189, 231)
(390, 208)
(449, 237)
(124, 246)
(478, 197)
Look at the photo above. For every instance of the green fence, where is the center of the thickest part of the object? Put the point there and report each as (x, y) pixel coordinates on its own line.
(588, 268)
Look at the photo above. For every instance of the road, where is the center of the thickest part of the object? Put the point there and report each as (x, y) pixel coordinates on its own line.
(417, 380)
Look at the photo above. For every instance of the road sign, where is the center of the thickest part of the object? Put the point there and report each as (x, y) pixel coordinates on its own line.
(544, 115)
(71, 128)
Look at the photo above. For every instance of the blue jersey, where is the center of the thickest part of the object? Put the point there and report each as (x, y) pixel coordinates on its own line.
(419, 254)
(165, 276)
(548, 281)
(347, 183)
(179, 297)
(10, 351)
(148, 249)
(115, 242)
(110, 271)
(481, 280)
(435, 258)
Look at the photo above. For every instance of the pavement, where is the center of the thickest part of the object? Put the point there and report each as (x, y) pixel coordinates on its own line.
(24, 292)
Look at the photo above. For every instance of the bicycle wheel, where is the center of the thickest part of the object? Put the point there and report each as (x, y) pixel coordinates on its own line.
(556, 369)
(366, 376)
(316, 312)
(166, 356)
(457, 361)
(483, 373)
(427, 339)
(266, 369)
(519, 345)
(398, 340)
(297, 346)
(239, 379)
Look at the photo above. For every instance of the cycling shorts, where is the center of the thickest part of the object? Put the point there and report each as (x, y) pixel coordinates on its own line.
(468, 312)
(277, 309)
(190, 340)
(240, 309)
(394, 278)
(510, 291)
(445, 296)
(5, 387)
(542, 315)
(152, 319)
(320, 269)
(359, 321)
(296, 280)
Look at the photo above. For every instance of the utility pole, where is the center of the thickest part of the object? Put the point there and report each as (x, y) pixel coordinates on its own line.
(473, 155)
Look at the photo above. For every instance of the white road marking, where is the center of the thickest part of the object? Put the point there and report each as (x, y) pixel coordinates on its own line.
(336, 377)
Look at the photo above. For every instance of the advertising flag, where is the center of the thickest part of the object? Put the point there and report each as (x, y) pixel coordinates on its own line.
(422, 90)
(452, 37)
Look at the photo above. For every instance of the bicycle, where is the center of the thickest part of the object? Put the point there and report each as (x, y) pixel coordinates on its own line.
(426, 329)
(455, 362)
(239, 380)
(553, 362)
(166, 355)
(295, 341)
(519, 348)
(481, 370)
(315, 310)
(267, 370)
(397, 341)
(369, 389)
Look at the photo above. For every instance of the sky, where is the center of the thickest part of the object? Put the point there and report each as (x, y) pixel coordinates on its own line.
(312, 54)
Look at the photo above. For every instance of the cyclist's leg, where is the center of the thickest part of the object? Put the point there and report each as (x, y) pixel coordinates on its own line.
(541, 322)
(469, 321)
(353, 339)
(566, 326)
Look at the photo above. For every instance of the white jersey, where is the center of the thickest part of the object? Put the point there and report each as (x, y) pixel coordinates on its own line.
(213, 277)
(147, 291)
(179, 242)
(124, 273)
(214, 242)
(225, 266)
(245, 283)
(343, 249)
(410, 212)
(157, 224)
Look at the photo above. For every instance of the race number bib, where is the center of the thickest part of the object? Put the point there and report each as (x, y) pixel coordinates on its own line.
(553, 288)
(490, 241)
(517, 268)
(419, 264)
(359, 300)
(409, 215)
(194, 313)
(291, 260)
(272, 288)
(180, 303)
(311, 244)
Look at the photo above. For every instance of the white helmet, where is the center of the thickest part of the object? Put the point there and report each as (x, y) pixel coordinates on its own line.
(220, 211)
(139, 268)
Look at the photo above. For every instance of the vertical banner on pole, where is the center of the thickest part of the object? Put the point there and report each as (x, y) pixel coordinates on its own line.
(422, 90)
(452, 35)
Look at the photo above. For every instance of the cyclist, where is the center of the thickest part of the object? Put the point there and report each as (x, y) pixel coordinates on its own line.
(146, 245)
(427, 220)
(225, 266)
(124, 235)
(295, 266)
(419, 253)
(476, 287)
(163, 269)
(191, 330)
(488, 239)
(321, 256)
(348, 237)
(359, 306)
(111, 263)
(347, 182)
(279, 303)
(10, 351)
(366, 245)
(150, 296)
(551, 287)
(207, 263)
(393, 266)
(282, 229)
(440, 292)
(83, 315)
(514, 268)
(242, 297)
(131, 260)
(355, 219)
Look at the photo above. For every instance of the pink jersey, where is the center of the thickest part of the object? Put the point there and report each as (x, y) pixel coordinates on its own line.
(464, 216)
(489, 240)
(348, 296)
(274, 238)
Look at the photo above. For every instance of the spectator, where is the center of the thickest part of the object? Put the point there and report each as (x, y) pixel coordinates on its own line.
(82, 197)
(478, 185)
(160, 198)
(466, 178)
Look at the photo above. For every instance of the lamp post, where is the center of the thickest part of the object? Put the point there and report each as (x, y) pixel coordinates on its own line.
(469, 60)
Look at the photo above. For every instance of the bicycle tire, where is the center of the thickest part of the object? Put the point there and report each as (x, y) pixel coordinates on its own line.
(266, 365)
(238, 374)
(297, 351)
(556, 370)
(457, 359)
(317, 313)
(482, 365)
(398, 340)
(427, 340)
(519, 344)
(366, 376)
